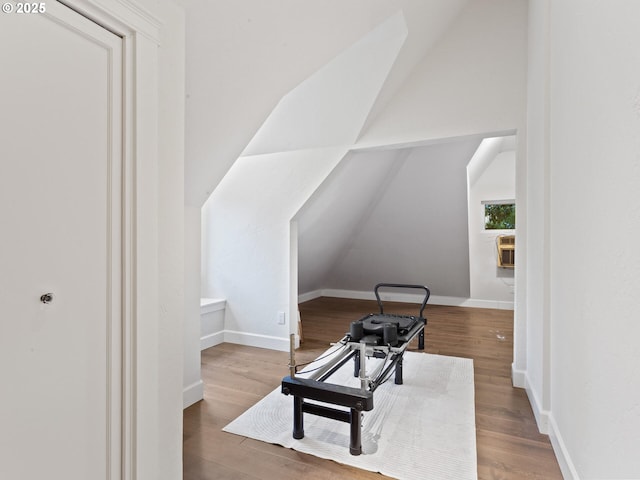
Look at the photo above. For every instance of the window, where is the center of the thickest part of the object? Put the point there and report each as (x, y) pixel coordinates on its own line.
(499, 215)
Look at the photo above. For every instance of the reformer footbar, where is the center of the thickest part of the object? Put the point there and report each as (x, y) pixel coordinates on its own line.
(379, 335)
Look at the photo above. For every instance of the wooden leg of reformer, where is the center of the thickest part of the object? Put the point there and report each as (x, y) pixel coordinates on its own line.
(298, 419)
(398, 380)
(355, 441)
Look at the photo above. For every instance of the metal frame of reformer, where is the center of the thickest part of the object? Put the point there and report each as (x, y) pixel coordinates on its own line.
(357, 400)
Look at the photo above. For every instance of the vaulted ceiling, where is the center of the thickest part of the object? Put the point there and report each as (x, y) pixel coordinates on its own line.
(244, 56)
(367, 97)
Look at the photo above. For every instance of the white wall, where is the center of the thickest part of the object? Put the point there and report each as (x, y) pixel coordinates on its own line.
(531, 362)
(344, 250)
(416, 230)
(587, 143)
(165, 348)
(595, 140)
(248, 219)
(330, 107)
(245, 55)
(495, 182)
(494, 26)
(337, 210)
(211, 322)
(473, 80)
(192, 381)
(248, 241)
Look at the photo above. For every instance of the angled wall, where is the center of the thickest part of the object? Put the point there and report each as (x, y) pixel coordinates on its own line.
(244, 56)
(247, 240)
(472, 81)
(337, 241)
(337, 210)
(351, 261)
(416, 231)
(330, 107)
(247, 257)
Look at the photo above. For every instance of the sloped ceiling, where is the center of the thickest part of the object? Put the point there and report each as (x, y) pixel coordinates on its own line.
(390, 216)
(473, 80)
(394, 215)
(486, 154)
(330, 107)
(337, 211)
(243, 56)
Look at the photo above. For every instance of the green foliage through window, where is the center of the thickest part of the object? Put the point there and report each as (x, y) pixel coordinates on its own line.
(499, 216)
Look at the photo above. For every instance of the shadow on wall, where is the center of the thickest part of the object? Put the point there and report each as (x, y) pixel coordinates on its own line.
(399, 214)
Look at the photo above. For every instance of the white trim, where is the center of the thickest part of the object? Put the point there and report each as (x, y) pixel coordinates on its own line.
(510, 201)
(140, 32)
(372, 147)
(208, 305)
(518, 377)
(122, 17)
(354, 294)
(305, 297)
(247, 339)
(567, 467)
(547, 425)
(541, 416)
(257, 340)
(192, 394)
(211, 340)
(471, 302)
(408, 298)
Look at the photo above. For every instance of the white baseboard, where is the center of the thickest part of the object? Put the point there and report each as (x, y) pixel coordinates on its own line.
(471, 302)
(256, 340)
(248, 339)
(192, 394)
(408, 298)
(559, 448)
(541, 415)
(354, 294)
(305, 297)
(547, 425)
(518, 377)
(211, 340)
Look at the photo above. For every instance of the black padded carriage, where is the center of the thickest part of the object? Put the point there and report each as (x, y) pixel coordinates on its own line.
(388, 328)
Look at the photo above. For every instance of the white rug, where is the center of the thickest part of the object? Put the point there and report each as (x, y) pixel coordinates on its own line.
(423, 429)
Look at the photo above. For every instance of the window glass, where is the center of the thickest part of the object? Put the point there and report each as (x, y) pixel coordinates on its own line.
(499, 216)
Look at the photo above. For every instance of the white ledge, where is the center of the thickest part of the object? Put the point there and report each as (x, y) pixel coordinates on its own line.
(208, 305)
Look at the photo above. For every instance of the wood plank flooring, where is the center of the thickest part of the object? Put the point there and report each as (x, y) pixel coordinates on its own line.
(236, 377)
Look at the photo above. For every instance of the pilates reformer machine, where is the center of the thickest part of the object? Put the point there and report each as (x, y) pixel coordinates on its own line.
(381, 335)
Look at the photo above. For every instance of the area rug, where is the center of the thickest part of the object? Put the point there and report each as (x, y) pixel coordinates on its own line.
(423, 429)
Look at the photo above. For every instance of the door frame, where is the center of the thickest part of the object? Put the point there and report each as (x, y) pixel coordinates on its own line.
(140, 32)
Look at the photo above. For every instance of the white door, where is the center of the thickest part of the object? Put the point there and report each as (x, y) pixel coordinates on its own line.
(60, 234)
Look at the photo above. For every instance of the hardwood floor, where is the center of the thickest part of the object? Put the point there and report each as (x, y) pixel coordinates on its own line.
(236, 377)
